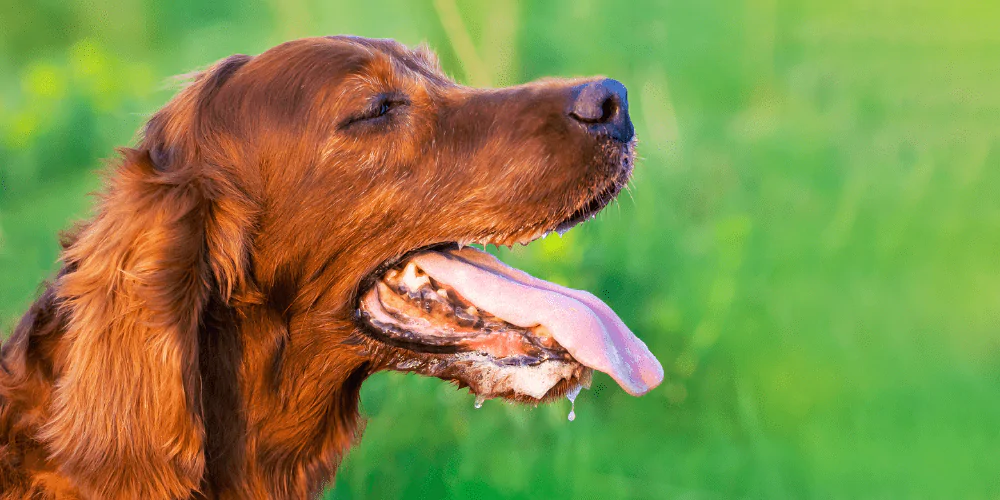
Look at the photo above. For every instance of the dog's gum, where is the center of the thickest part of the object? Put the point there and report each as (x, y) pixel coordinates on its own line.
(418, 310)
(467, 316)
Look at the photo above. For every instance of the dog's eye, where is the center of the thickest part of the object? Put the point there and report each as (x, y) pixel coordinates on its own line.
(385, 107)
(379, 109)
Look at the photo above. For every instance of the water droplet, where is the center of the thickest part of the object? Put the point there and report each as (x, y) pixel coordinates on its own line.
(479, 402)
(571, 396)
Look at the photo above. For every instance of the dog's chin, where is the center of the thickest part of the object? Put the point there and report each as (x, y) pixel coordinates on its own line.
(619, 160)
(457, 313)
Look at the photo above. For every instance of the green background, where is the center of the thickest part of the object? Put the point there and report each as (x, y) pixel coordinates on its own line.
(811, 245)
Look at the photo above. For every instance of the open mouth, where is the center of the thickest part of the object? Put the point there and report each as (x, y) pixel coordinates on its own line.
(461, 314)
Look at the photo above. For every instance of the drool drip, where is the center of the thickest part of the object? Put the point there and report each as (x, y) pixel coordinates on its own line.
(571, 396)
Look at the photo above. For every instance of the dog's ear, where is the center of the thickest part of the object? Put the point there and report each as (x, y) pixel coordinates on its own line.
(169, 235)
(185, 139)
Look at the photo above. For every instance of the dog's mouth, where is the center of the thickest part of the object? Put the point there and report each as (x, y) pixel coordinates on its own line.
(460, 314)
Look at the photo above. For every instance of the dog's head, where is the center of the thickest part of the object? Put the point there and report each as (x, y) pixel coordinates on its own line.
(321, 196)
(372, 172)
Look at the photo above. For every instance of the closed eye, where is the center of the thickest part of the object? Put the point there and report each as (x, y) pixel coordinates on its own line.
(381, 108)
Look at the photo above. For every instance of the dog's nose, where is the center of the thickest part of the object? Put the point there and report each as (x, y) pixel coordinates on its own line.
(602, 107)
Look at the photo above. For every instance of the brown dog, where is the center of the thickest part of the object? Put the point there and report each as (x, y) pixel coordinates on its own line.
(289, 224)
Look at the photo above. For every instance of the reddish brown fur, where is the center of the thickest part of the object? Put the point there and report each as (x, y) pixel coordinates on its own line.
(199, 340)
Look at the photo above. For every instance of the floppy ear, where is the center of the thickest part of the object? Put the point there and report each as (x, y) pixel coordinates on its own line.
(125, 417)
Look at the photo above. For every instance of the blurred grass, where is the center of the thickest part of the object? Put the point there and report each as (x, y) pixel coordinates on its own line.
(811, 245)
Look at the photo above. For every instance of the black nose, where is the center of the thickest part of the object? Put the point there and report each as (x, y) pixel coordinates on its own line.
(602, 107)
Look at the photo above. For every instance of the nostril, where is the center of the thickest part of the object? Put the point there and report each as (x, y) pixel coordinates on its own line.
(596, 114)
(609, 109)
(594, 103)
(602, 106)
(598, 102)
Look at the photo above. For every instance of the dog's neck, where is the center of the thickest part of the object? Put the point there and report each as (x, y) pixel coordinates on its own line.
(281, 415)
(278, 418)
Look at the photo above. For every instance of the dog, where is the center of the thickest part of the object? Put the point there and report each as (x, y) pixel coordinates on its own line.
(289, 224)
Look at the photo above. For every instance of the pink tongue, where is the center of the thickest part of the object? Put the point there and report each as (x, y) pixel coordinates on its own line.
(579, 321)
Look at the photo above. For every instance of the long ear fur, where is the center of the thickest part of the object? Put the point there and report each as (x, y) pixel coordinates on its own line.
(170, 231)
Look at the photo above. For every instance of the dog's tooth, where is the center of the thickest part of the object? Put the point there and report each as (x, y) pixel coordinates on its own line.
(411, 279)
(541, 331)
(410, 269)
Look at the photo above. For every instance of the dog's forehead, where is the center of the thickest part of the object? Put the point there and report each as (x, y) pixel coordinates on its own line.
(420, 60)
(389, 47)
(341, 67)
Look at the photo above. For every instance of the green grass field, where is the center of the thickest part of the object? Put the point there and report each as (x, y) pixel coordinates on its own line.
(811, 245)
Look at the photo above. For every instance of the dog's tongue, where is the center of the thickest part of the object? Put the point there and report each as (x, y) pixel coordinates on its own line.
(579, 321)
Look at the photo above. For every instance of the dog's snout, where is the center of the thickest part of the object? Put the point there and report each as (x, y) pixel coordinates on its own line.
(602, 106)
